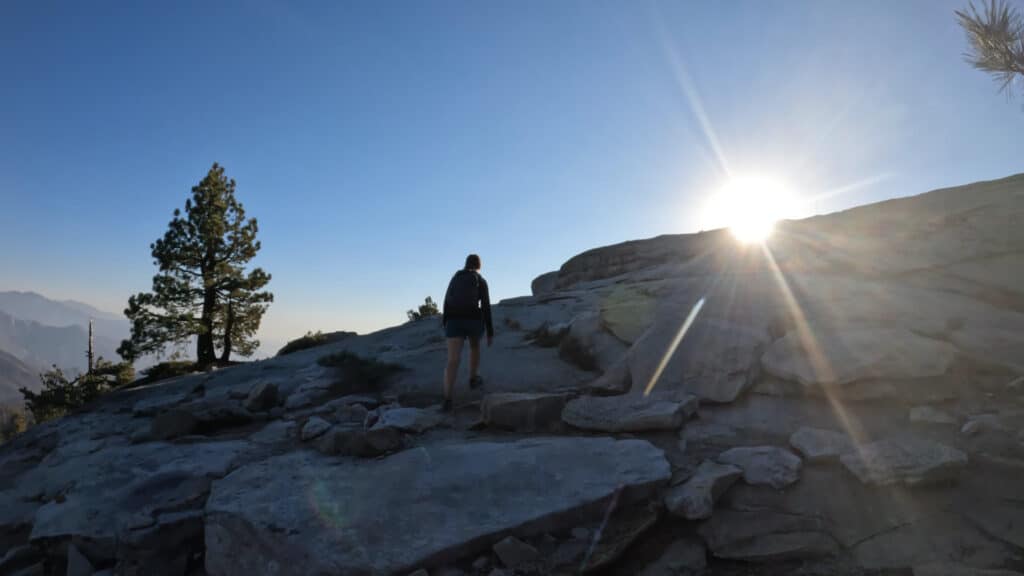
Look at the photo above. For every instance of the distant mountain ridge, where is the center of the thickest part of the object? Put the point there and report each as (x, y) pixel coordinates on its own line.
(38, 308)
(41, 332)
(92, 311)
(14, 374)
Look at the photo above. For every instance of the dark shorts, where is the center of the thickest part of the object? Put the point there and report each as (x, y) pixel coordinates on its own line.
(472, 328)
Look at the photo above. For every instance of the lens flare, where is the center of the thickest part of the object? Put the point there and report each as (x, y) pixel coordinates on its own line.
(750, 207)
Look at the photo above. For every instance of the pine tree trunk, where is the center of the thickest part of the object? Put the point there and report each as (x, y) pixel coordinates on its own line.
(205, 354)
(229, 325)
(89, 354)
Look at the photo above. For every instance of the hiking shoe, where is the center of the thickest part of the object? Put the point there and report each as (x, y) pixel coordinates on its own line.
(446, 406)
(476, 382)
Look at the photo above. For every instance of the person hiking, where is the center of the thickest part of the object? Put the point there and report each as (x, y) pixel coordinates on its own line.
(466, 314)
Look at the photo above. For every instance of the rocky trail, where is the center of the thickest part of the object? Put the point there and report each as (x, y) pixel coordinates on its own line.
(848, 399)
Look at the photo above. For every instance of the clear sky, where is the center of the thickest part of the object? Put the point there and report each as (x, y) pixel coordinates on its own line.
(379, 142)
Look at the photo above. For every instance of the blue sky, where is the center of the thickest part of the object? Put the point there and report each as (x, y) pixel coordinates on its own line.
(377, 143)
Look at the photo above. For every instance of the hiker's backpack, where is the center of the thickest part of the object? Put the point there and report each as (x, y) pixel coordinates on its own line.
(464, 294)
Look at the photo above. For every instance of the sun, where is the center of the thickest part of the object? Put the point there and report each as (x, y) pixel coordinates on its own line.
(750, 207)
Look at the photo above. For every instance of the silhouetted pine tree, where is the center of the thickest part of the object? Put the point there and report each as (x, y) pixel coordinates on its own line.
(202, 289)
(426, 310)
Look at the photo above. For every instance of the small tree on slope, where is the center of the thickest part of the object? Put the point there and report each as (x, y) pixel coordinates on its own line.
(426, 310)
(60, 396)
(996, 37)
(202, 289)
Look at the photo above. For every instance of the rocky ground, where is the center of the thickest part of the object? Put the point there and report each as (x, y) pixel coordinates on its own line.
(847, 400)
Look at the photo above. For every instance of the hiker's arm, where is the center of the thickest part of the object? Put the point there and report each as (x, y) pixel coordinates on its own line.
(485, 306)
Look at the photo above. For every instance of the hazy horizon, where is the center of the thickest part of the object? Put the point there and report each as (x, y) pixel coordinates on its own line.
(377, 145)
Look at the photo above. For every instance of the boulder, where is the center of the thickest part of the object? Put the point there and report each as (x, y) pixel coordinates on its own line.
(411, 420)
(682, 557)
(218, 414)
(351, 414)
(816, 444)
(172, 424)
(628, 311)
(765, 536)
(706, 432)
(276, 432)
(544, 284)
(764, 465)
(317, 383)
(624, 526)
(298, 400)
(523, 412)
(263, 397)
(845, 355)
(314, 427)
(513, 552)
(614, 381)
(904, 460)
(368, 402)
(341, 440)
(632, 413)
(695, 499)
(198, 417)
(380, 440)
(127, 486)
(589, 345)
(930, 415)
(537, 313)
(437, 503)
(348, 440)
(164, 549)
(717, 360)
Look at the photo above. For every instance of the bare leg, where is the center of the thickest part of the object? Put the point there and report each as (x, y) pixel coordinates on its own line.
(474, 357)
(451, 370)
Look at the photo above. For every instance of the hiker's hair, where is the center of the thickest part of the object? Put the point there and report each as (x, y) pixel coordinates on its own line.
(472, 262)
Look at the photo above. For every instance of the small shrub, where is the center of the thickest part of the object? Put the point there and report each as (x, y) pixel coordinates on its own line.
(60, 396)
(546, 337)
(426, 310)
(356, 374)
(312, 340)
(170, 369)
